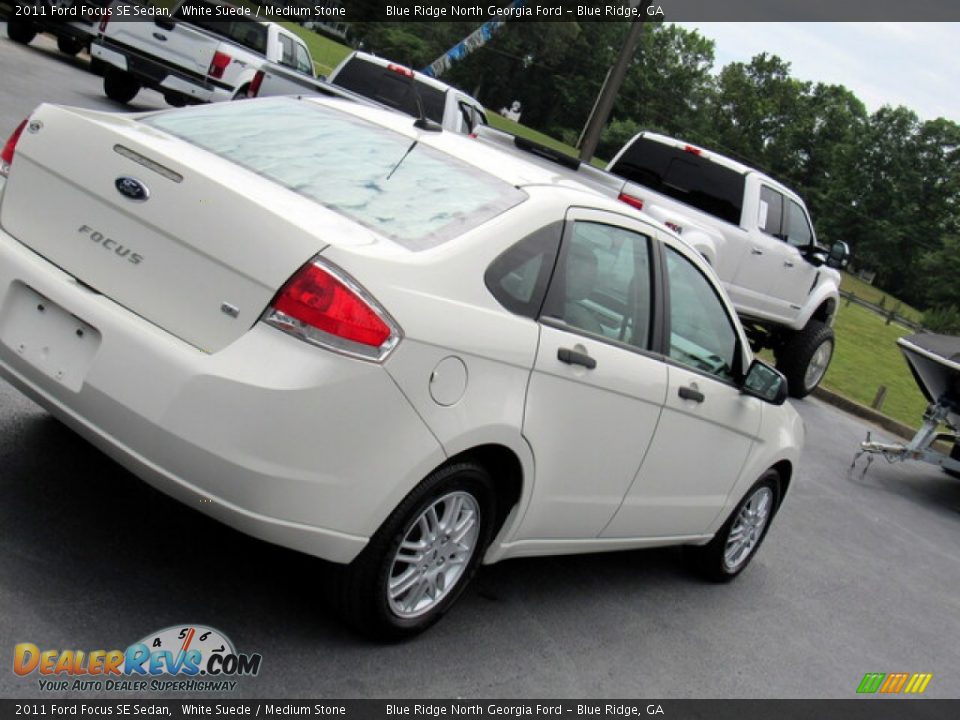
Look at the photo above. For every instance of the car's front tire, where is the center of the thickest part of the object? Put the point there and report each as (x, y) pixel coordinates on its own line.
(120, 86)
(805, 357)
(423, 556)
(737, 542)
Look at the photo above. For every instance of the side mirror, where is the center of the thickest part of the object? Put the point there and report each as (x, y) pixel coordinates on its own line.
(839, 255)
(765, 382)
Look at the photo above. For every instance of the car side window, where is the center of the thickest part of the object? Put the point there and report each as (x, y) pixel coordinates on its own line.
(286, 52)
(702, 336)
(303, 60)
(518, 277)
(770, 217)
(602, 284)
(798, 227)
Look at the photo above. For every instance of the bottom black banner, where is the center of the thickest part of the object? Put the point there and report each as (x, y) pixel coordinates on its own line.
(865, 709)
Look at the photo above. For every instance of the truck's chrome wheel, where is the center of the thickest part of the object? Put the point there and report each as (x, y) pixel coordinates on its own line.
(818, 365)
(747, 530)
(435, 552)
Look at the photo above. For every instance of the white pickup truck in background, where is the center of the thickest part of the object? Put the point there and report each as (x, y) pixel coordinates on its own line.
(755, 233)
(386, 83)
(198, 54)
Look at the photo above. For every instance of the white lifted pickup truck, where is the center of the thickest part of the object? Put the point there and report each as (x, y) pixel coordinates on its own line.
(203, 51)
(757, 235)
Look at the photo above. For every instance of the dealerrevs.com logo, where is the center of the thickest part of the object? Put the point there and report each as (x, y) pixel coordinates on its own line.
(181, 658)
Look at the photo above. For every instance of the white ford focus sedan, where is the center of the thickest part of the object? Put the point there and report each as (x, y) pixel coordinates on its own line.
(403, 351)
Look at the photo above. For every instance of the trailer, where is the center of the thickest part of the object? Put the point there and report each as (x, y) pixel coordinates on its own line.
(934, 361)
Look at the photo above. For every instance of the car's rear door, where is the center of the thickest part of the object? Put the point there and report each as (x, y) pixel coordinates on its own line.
(596, 393)
(708, 425)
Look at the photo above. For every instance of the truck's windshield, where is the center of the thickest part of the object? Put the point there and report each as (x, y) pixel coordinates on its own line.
(685, 176)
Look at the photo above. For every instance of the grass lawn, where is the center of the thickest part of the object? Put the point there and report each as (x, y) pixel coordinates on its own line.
(867, 356)
(862, 290)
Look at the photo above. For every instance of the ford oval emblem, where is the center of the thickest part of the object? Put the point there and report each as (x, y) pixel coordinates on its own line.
(132, 188)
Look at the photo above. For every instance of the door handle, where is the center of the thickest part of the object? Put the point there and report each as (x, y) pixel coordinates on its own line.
(688, 393)
(756, 251)
(572, 357)
(787, 263)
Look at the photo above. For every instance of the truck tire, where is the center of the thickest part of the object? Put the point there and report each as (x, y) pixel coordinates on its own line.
(120, 86)
(805, 356)
(954, 455)
(69, 46)
(20, 31)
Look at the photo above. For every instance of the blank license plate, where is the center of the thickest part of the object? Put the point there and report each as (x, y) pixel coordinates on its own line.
(48, 337)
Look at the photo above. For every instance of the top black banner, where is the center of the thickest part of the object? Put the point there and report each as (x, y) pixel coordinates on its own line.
(347, 11)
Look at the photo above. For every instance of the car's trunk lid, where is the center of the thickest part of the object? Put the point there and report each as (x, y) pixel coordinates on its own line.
(200, 256)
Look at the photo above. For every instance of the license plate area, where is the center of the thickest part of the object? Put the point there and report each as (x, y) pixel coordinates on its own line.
(54, 341)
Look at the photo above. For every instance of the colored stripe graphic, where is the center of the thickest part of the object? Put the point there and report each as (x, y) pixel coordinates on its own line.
(918, 683)
(871, 682)
(893, 683)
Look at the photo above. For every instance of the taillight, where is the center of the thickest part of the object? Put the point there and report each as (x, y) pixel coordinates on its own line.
(631, 201)
(323, 306)
(400, 69)
(255, 83)
(6, 157)
(219, 64)
(692, 149)
(103, 23)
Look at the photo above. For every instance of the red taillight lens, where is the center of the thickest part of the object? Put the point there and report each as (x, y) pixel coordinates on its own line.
(255, 83)
(692, 149)
(6, 157)
(631, 201)
(219, 64)
(103, 23)
(405, 71)
(320, 306)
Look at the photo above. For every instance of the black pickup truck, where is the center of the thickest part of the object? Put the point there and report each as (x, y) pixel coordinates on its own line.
(74, 23)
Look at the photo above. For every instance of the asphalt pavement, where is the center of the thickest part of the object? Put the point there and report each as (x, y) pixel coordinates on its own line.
(858, 574)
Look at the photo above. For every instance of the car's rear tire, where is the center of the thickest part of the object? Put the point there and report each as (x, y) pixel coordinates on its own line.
(70, 46)
(242, 94)
(175, 99)
(20, 31)
(805, 357)
(737, 542)
(423, 556)
(120, 86)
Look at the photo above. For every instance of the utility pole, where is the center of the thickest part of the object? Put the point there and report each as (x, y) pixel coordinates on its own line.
(611, 85)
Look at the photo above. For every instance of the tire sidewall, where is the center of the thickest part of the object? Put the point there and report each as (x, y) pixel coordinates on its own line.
(769, 479)
(826, 340)
(464, 478)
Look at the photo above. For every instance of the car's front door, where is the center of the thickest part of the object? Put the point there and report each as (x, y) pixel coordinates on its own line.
(595, 394)
(707, 426)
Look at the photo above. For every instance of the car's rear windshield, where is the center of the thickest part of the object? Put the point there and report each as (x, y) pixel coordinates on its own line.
(390, 87)
(685, 176)
(399, 187)
(248, 33)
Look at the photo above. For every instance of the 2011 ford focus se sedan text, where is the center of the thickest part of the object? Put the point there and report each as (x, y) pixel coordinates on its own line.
(403, 351)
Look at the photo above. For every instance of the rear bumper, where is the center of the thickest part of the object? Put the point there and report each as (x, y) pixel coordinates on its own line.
(158, 75)
(269, 435)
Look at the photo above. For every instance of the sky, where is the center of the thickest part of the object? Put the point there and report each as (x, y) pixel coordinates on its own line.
(911, 64)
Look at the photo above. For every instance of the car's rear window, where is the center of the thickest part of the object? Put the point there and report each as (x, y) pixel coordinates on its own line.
(411, 193)
(390, 88)
(690, 178)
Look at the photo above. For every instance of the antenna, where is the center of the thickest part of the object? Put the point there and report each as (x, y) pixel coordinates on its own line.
(422, 122)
